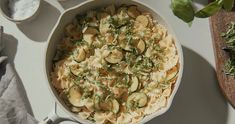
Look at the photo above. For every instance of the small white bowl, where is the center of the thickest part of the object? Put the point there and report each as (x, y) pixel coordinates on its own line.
(4, 9)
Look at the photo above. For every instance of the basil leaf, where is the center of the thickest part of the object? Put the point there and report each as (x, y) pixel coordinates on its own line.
(210, 9)
(228, 5)
(183, 9)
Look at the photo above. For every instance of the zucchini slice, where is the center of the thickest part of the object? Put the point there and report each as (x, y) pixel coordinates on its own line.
(133, 11)
(109, 38)
(135, 84)
(106, 105)
(115, 106)
(141, 46)
(89, 104)
(79, 55)
(137, 99)
(89, 34)
(125, 46)
(75, 109)
(114, 57)
(142, 21)
(123, 42)
(172, 73)
(90, 30)
(75, 96)
(74, 69)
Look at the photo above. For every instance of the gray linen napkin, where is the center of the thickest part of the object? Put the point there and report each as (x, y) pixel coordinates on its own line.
(14, 105)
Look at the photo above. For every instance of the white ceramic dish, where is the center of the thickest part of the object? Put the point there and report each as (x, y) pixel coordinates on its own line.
(4, 9)
(58, 32)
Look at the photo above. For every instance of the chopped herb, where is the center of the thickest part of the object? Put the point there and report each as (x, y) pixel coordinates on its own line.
(99, 84)
(78, 42)
(127, 80)
(157, 48)
(229, 67)
(111, 47)
(86, 93)
(78, 79)
(142, 64)
(229, 37)
(134, 51)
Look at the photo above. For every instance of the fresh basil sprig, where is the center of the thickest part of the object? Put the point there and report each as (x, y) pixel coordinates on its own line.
(210, 9)
(184, 9)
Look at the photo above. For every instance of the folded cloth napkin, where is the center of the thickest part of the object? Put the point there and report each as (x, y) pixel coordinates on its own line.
(14, 105)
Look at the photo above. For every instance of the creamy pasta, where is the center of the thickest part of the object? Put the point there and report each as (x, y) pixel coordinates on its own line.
(115, 65)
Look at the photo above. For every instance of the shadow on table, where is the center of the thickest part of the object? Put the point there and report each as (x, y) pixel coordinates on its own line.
(70, 3)
(198, 100)
(10, 44)
(40, 28)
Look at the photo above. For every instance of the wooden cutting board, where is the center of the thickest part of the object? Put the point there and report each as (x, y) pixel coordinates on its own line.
(218, 24)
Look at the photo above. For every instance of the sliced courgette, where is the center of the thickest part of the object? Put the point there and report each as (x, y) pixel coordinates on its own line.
(123, 44)
(135, 84)
(89, 104)
(79, 55)
(133, 11)
(142, 21)
(75, 96)
(90, 30)
(137, 99)
(89, 34)
(75, 109)
(115, 106)
(106, 105)
(114, 57)
(109, 38)
(140, 85)
(172, 73)
(141, 46)
(74, 69)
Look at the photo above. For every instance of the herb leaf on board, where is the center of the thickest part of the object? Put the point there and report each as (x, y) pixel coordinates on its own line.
(209, 9)
(228, 5)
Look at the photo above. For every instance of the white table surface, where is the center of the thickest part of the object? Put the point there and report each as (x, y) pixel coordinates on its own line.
(198, 100)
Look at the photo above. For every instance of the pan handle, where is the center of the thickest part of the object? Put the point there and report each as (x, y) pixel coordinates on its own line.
(53, 118)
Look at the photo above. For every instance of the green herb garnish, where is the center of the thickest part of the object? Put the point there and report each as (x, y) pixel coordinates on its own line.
(185, 10)
(229, 37)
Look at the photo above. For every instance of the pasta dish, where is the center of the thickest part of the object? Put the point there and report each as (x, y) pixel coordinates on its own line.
(115, 65)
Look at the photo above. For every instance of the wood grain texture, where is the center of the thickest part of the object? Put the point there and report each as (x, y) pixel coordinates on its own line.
(1, 37)
(1, 33)
(218, 24)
